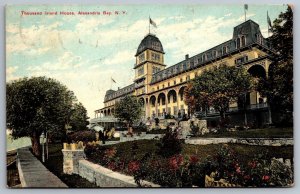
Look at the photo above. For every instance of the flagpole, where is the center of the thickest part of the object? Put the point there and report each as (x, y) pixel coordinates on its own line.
(245, 12)
(267, 23)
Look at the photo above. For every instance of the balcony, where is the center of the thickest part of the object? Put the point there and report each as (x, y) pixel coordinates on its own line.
(106, 119)
(257, 106)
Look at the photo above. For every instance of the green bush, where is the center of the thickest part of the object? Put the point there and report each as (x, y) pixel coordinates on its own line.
(170, 144)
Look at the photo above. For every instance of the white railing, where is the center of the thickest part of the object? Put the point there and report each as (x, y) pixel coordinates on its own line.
(104, 119)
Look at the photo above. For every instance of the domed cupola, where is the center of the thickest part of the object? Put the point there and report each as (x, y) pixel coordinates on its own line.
(150, 42)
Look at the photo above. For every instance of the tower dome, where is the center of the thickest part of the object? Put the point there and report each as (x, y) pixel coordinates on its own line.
(150, 42)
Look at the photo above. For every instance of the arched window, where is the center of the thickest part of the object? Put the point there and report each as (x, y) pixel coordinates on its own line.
(243, 41)
(204, 57)
(238, 43)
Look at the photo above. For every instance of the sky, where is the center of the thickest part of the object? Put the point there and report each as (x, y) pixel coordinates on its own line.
(84, 52)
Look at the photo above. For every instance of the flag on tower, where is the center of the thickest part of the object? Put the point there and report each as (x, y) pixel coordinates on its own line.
(113, 80)
(269, 20)
(152, 23)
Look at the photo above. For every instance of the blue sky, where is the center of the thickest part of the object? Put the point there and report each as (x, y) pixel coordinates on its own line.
(84, 52)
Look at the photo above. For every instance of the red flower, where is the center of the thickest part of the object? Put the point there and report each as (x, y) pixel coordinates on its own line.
(194, 159)
(247, 177)
(112, 165)
(179, 159)
(252, 164)
(111, 152)
(173, 163)
(266, 178)
(133, 166)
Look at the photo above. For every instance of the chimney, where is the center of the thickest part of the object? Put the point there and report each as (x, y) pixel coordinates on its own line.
(186, 56)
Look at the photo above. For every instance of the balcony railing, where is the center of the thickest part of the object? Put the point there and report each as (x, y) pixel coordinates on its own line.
(257, 106)
(104, 119)
(236, 109)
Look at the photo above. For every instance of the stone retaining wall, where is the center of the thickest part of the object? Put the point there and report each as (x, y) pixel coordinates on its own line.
(247, 141)
(104, 177)
(74, 163)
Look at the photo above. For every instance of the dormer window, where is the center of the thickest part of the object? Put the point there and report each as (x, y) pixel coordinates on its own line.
(225, 50)
(243, 41)
(204, 57)
(214, 53)
(238, 43)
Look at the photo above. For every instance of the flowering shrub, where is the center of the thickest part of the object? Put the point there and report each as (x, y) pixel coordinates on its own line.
(185, 171)
(170, 144)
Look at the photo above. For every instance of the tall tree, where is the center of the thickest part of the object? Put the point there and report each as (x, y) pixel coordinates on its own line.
(278, 86)
(36, 105)
(78, 118)
(218, 87)
(128, 110)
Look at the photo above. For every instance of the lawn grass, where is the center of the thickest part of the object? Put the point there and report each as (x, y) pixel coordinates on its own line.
(55, 165)
(256, 133)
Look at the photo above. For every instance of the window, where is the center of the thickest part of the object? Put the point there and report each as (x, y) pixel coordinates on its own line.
(214, 53)
(155, 57)
(259, 38)
(142, 57)
(204, 57)
(180, 80)
(156, 69)
(243, 41)
(174, 82)
(168, 84)
(184, 66)
(241, 60)
(225, 50)
(141, 71)
(238, 43)
(196, 74)
(157, 87)
(187, 78)
(192, 64)
(163, 86)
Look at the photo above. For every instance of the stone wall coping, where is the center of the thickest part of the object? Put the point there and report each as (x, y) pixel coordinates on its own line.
(112, 174)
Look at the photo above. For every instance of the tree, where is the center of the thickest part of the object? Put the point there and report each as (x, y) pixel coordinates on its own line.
(78, 118)
(36, 105)
(278, 86)
(218, 87)
(129, 110)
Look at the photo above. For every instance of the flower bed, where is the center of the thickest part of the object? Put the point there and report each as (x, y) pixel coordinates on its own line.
(141, 160)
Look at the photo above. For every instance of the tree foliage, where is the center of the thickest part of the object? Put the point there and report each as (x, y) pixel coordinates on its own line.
(128, 109)
(217, 88)
(78, 118)
(278, 87)
(36, 105)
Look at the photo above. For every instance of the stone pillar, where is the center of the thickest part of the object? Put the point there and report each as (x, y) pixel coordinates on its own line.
(72, 154)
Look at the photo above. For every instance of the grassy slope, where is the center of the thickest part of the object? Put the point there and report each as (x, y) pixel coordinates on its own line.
(244, 152)
(256, 133)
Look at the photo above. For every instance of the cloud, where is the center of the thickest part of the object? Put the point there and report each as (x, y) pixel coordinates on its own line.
(120, 58)
(228, 14)
(67, 61)
(10, 73)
